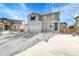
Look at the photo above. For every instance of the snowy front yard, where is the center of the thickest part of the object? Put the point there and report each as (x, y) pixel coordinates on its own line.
(61, 44)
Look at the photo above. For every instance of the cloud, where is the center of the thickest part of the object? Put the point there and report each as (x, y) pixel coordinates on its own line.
(19, 13)
(8, 11)
(67, 12)
(23, 6)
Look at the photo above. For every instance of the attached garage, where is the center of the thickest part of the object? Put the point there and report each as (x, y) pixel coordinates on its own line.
(35, 26)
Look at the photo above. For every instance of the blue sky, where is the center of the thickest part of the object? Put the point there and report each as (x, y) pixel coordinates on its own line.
(20, 10)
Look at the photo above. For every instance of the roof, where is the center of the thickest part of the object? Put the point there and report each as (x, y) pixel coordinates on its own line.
(76, 17)
(16, 21)
(45, 14)
(51, 13)
(33, 13)
(63, 23)
(4, 19)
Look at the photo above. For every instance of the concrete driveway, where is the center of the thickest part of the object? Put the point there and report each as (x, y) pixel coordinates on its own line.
(11, 44)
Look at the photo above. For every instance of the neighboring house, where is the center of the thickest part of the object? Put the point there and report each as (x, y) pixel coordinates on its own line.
(17, 25)
(5, 24)
(1, 26)
(11, 25)
(43, 23)
(77, 24)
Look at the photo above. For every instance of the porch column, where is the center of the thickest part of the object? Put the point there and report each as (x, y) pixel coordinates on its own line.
(3, 27)
(58, 27)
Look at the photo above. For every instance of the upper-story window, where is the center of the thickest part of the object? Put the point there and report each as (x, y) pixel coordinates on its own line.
(32, 18)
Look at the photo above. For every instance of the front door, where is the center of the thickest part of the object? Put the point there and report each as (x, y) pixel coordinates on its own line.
(56, 26)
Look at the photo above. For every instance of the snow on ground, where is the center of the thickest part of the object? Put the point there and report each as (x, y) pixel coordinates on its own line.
(4, 32)
(11, 44)
(61, 44)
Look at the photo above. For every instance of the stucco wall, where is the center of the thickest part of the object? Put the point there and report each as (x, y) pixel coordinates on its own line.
(26, 28)
(52, 28)
(77, 24)
(77, 29)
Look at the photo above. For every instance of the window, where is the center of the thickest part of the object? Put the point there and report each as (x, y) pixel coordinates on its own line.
(32, 18)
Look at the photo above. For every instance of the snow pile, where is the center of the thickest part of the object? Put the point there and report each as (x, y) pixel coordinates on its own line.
(42, 37)
(33, 51)
(4, 32)
(57, 45)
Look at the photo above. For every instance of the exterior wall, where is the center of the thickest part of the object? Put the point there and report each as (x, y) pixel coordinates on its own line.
(47, 27)
(77, 30)
(49, 20)
(77, 24)
(50, 17)
(1, 26)
(50, 26)
(26, 28)
(22, 26)
(58, 26)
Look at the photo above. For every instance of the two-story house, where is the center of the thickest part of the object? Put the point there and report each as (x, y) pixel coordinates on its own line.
(11, 25)
(43, 23)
